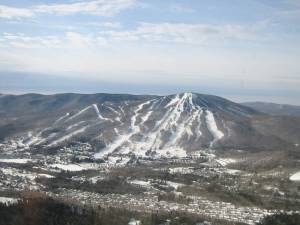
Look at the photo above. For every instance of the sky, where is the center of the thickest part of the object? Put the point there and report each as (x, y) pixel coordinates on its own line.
(243, 50)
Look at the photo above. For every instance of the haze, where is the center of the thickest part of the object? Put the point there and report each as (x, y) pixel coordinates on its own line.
(244, 50)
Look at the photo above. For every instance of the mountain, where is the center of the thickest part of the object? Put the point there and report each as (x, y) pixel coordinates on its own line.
(143, 125)
(274, 109)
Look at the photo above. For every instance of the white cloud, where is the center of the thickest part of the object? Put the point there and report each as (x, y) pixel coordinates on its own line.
(78, 39)
(111, 25)
(69, 40)
(12, 12)
(23, 41)
(172, 33)
(182, 33)
(96, 7)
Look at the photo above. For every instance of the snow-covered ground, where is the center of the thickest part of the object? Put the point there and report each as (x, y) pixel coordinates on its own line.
(181, 170)
(25, 174)
(232, 171)
(95, 179)
(171, 152)
(18, 161)
(175, 185)
(8, 201)
(118, 160)
(45, 175)
(68, 167)
(225, 161)
(295, 177)
(148, 184)
(17, 172)
(142, 183)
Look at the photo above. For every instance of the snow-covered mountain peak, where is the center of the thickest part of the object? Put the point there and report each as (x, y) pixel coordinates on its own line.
(183, 101)
(148, 126)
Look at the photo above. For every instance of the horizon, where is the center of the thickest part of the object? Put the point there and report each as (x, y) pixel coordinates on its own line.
(142, 94)
(240, 50)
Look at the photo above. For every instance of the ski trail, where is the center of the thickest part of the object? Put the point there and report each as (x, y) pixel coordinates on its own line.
(98, 113)
(68, 136)
(136, 114)
(75, 125)
(184, 126)
(169, 120)
(61, 118)
(79, 113)
(146, 117)
(112, 109)
(199, 133)
(95, 107)
(212, 127)
(122, 110)
(173, 118)
(124, 138)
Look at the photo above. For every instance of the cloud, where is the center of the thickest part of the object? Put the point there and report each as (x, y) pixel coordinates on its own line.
(111, 25)
(78, 39)
(172, 33)
(21, 40)
(13, 13)
(66, 40)
(181, 33)
(96, 7)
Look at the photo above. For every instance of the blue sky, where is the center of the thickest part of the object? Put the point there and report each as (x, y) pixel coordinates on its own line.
(243, 50)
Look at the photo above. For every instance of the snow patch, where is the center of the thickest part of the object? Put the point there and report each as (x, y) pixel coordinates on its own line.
(17, 161)
(181, 170)
(95, 179)
(174, 184)
(225, 161)
(134, 222)
(295, 177)
(45, 175)
(142, 183)
(171, 152)
(15, 172)
(8, 201)
(67, 167)
(232, 171)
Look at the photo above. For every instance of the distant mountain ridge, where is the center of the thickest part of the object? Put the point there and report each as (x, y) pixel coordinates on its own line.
(275, 109)
(143, 125)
